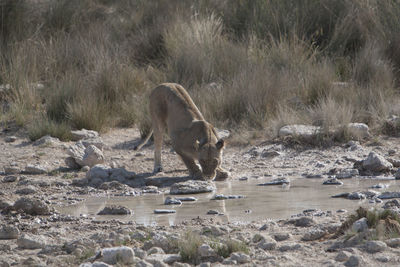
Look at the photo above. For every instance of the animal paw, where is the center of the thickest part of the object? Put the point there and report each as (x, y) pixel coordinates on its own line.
(157, 169)
(197, 175)
(222, 175)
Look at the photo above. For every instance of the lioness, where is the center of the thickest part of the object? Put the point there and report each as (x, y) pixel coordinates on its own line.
(192, 137)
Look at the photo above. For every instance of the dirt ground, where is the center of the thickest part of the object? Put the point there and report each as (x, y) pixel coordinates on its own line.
(59, 239)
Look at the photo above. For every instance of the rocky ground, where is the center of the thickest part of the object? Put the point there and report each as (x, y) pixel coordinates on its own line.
(40, 176)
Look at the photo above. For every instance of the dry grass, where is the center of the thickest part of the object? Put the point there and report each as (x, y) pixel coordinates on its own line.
(248, 65)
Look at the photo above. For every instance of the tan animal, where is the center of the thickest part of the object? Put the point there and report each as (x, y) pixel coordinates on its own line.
(193, 139)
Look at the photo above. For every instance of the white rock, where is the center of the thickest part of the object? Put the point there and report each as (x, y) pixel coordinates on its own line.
(31, 206)
(313, 234)
(360, 225)
(27, 241)
(83, 134)
(305, 131)
(388, 195)
(354, 261)
(11, 170)
(97, 142)
(240, 257)
(206, 251)
(95, 264)
(223, 134)
(374, 246)
(92, 156)
(35, 169)
(376, 163)
(46, 140)
(289, 247)
(172, 201)
(9, 232)
(192, 187)
(122, 254)
(343, 256)
(347, 173)
(155, 250)
(358, 130)
(99, 171)
(393, 242)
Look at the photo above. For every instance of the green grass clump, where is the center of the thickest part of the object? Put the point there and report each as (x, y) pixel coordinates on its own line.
(226, 247)
(188, 247)
(385, 223)
(43, 126)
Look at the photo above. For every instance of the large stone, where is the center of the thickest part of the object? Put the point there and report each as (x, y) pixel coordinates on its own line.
(302, 131)
(124, 255)
(36, 169)
(172, 201)
(302, 221)
(393, 242)
(388, 195)
(332, 181)
(192, 187)
(376, 163)
(374, 246)
(343, 256)
(360, 225)
(358, 130)
(354, 261)
(83, 134)
(240, 257)
(5, 204)
(10, 179)
(277, 181)
(313, 234)
(30, 189)
(115, 210)
(28, 241)
(99, 171)
(31, 206)
(347, 173)
(9, 232)
(92, 156)
(47, 140)
(205, 251)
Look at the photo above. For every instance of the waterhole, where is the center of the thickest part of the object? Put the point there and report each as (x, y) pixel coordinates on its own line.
(259, 202)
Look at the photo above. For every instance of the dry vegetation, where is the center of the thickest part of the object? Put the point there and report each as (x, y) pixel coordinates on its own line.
(247, 64)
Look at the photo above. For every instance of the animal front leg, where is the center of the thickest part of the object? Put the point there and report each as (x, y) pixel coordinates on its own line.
(222, 174)
(194, 170)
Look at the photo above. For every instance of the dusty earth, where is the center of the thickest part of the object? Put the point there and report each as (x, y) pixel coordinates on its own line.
(44, 233)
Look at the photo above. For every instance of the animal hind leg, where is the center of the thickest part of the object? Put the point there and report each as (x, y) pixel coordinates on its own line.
(158, 141)
(158, 134)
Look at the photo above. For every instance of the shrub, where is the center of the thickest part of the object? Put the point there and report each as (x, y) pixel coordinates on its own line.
(188, 247)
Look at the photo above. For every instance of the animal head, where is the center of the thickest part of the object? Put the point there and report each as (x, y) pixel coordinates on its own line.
(210, 156)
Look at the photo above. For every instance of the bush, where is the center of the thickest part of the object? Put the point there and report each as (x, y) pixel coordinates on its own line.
(250, 65)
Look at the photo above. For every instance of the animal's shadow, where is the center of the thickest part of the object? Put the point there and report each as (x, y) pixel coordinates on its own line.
(130, 145)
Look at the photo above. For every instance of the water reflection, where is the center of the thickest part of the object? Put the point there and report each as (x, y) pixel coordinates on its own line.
(261, 202)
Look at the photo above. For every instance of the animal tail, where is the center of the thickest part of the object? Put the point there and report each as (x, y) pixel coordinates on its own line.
(138, 147)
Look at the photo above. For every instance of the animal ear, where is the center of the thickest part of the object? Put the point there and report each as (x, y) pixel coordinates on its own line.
(220, 144)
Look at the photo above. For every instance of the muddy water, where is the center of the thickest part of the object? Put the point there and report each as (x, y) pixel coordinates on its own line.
(260, 202)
